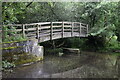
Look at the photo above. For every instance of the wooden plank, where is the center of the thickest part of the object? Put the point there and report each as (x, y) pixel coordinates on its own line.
(18, 30)
(67, 22)
(41, 23)
(61, 22)
(67, 26)
(44, 27)
(67, 29)
(44, 23)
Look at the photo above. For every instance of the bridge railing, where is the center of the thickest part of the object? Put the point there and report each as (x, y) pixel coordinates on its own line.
(43, 29)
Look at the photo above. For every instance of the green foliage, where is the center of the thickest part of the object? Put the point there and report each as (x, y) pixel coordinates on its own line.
(12, 12)
(6, 64)
(102, 17)
(14, 38)
(113, 45)
(75, 42)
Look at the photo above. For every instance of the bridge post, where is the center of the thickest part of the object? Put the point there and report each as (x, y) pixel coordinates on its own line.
(51, 31)
(72, 29)
(37, 31)
(62, 29)
(80, 29)
(23, 30)
(87, 28)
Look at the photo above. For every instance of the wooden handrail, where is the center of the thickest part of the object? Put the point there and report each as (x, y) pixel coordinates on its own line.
(51, 28)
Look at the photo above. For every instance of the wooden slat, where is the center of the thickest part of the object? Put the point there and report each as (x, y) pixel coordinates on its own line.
(18, 30)
(68, 26)
(67, 22)
(41, 23)
(67, 29)
(57, 30)
(45, 27)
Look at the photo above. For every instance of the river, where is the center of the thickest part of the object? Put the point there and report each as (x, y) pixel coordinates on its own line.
(85, 65)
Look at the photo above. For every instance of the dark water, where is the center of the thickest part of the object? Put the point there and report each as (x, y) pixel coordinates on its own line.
(86, 65)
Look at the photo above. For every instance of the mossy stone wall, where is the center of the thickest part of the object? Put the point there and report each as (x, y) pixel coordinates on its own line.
(22, 52)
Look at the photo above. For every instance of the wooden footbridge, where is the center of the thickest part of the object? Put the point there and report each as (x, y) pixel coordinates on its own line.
(45, 31)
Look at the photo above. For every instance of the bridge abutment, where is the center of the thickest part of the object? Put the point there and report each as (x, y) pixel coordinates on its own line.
(23, 52)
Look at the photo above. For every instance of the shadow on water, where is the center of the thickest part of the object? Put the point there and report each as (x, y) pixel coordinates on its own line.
(86, 65)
